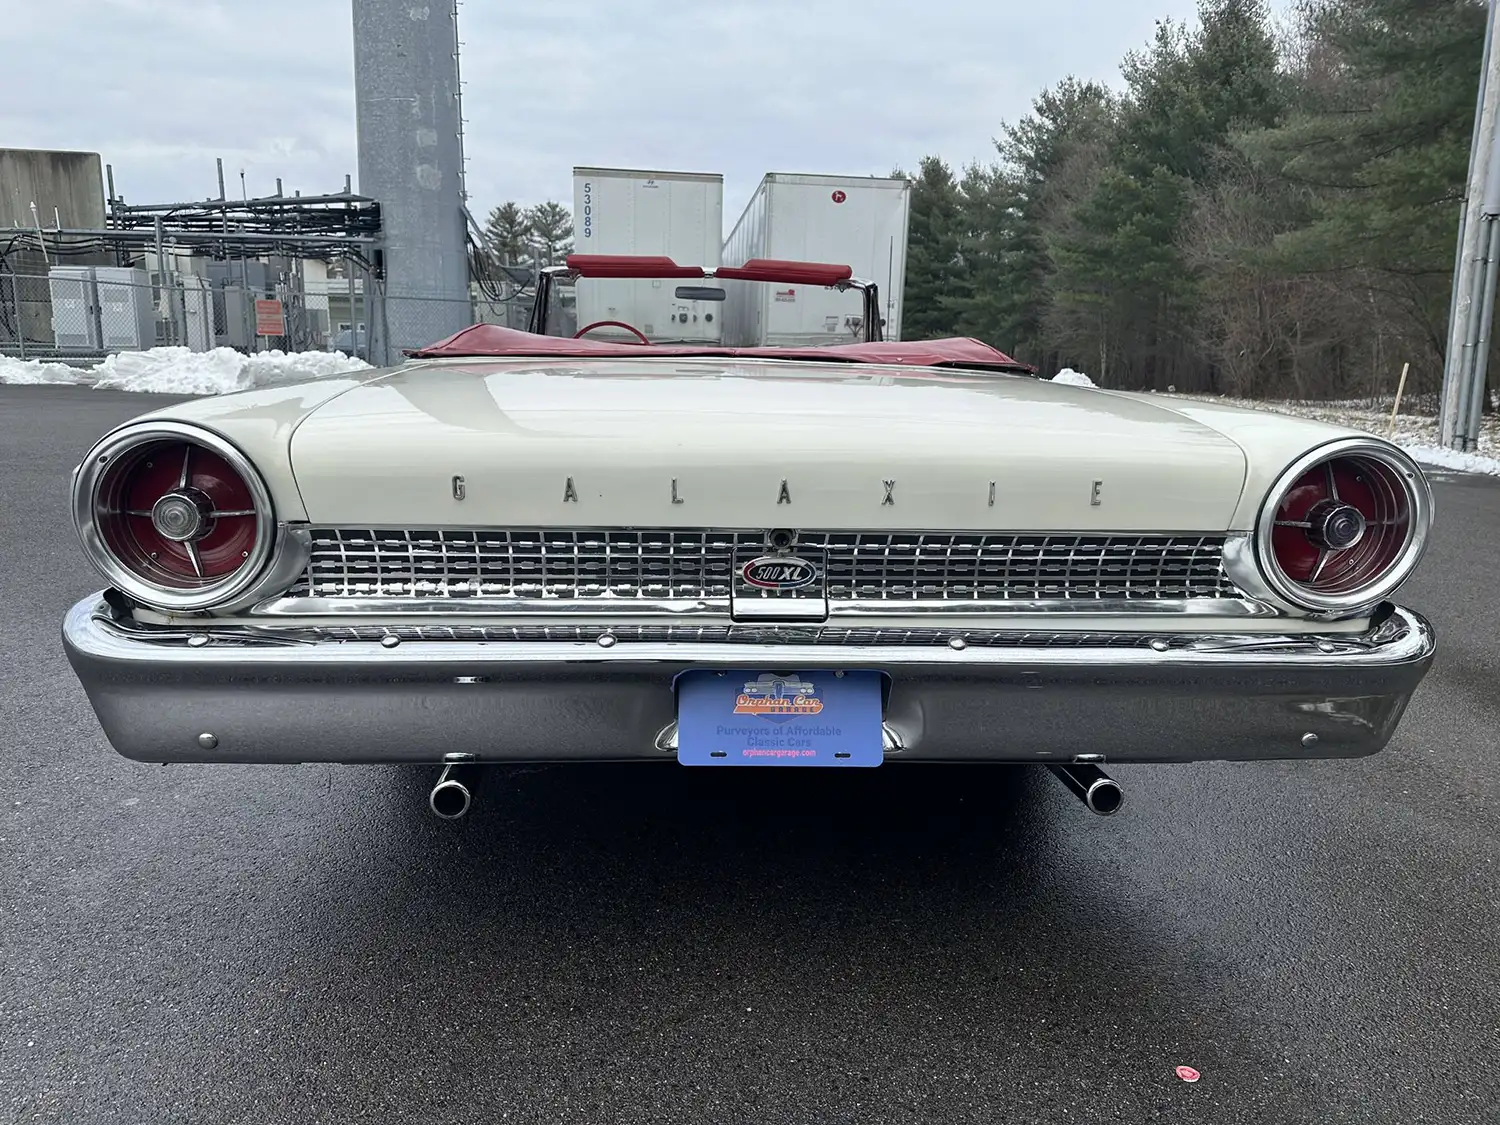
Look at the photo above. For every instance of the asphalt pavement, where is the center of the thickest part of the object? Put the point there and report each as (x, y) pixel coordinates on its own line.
(1321, 940)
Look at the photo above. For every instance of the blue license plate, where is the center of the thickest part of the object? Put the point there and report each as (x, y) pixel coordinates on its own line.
(821, 718)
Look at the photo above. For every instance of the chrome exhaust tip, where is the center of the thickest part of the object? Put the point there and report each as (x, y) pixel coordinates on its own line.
(1099, 792)
(450, 798)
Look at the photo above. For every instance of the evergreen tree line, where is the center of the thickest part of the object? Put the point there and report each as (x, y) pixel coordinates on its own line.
(1265, 209)
(527, 236)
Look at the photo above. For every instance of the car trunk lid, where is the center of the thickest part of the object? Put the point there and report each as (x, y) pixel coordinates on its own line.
(755, 444)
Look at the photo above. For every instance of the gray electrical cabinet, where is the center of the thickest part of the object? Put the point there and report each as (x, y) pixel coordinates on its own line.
(101, 308)
(198, 313)
(127, 311)
(75, 323)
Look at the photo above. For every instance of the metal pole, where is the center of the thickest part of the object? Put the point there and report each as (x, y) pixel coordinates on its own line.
(1463, 384)
(40, 241)
(15, 293)
(1489, 213)
(1469, 424)
(385, 320)
(1462, 330)
(458, 112)
(95, 310)
(224, 228)
(251, 339)
(1449, 371)
(165, 284)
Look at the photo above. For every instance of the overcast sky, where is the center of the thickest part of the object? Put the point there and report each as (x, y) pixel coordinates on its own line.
(741, 87)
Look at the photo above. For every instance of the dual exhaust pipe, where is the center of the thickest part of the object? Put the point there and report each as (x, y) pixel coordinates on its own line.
(453, 795)
(1099, 792)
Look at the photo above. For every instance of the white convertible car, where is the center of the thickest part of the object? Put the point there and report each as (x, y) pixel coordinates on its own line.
(520, 548)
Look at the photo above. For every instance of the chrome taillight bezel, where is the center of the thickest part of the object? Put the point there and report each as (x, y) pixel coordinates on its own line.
(1418, 498)
(92, 473)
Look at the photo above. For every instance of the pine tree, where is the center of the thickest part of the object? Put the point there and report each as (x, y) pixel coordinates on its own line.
(551, 228)
(507, 231)
(1379, 156)
(984, 308)
(934, 270)
(1048, 159)
(1122, 286)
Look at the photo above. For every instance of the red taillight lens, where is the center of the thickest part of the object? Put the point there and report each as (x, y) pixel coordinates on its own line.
(1347, 529)
(177, 515)
(174, 516)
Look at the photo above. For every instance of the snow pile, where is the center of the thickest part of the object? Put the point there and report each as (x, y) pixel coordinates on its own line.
(183, 372)
(34, 372)
(180, 371)
(1072, 378)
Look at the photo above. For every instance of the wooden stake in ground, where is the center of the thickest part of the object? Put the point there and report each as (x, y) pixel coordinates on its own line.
(1401, 386)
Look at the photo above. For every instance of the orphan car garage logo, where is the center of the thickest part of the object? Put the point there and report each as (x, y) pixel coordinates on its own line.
(778, 698)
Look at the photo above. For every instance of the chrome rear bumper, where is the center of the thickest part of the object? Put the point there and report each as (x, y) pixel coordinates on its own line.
(166, 695)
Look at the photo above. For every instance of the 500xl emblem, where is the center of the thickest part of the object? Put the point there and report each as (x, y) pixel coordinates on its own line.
(779, 572)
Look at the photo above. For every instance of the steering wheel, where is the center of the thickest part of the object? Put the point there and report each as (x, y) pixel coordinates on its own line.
(611, 324)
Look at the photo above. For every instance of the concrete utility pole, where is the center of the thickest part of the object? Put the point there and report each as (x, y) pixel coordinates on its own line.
(411, 160)
(1472, 308)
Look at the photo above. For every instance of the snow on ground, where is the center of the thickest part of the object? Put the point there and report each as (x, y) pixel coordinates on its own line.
(31, 372)
(183, 372)
(1441, 457)
(1415, 433)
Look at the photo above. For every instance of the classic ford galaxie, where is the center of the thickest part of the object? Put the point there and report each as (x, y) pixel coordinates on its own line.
(519, 548)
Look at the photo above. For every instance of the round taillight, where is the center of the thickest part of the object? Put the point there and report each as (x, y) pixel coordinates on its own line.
(175, 517)
(1344, 526)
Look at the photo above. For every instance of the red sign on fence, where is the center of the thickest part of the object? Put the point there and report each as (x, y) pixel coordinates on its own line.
(268, 319)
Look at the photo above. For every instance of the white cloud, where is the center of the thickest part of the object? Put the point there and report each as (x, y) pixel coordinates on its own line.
(162, 87)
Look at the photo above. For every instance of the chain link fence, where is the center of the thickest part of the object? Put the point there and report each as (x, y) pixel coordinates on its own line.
(84, 312)
(413, 320)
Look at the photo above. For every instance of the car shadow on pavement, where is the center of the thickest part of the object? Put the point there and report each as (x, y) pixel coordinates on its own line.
(703, 929)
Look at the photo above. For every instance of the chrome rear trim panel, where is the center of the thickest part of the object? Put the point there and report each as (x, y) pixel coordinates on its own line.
(281, 695)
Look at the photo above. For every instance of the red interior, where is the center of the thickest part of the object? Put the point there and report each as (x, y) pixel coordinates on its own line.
(141, 478)
(629, 265)
(497, 340)
(790, 273)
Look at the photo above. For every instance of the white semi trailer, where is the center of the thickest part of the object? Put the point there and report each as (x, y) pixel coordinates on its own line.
(679, 215)
(858, 221)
